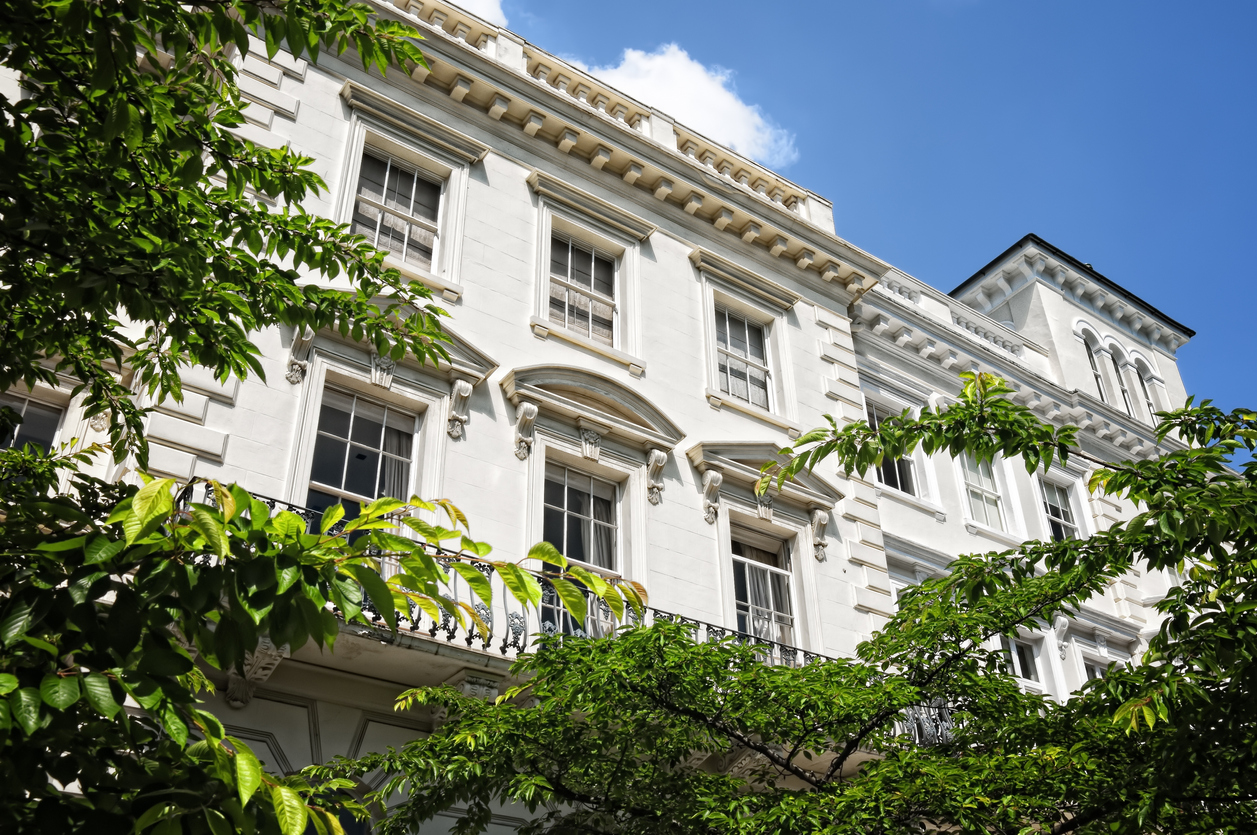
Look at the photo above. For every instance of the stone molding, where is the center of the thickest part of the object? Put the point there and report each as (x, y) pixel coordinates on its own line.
(458, 145)
(585, 203)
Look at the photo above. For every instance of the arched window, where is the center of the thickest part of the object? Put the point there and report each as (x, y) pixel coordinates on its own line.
(1142, 375)
(1095, 370)
(1121, 384)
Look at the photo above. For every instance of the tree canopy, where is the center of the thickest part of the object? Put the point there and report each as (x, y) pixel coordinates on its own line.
(140, 236)
(659, 730)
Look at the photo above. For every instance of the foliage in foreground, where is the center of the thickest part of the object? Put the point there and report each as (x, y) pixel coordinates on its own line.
(109, 594)
(654, 732)
(139, 236)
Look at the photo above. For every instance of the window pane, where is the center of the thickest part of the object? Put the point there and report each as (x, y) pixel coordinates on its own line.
(737, 335)
(427, 199)
(419, 247)
(329, 461)
(371, 178)
(558, 303)
(604, 276)
(1025, 657)
(977, 507)
(578, 490)
(394, 478)
(39, 426)
(360, 471)
(552, 528)
(992, 513)
(366, 219)
(738, 380)
(401, 186)
(903, 468)
(757, 381)
(582, 266)
(368, 423)
(602, 318)
(722, 328)
(755, 342)
(577, 532)
(578, 313)
(399, 434)
(319, 501)
(334, 414)
(554, 486)
(558, 257)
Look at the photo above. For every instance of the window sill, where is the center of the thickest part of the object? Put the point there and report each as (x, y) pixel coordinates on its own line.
(544, 329)
(449, 291)
(1002, 537)
(912, 501)
(718, 400)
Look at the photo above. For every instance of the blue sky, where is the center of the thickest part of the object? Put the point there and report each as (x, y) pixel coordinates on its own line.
(943, 130)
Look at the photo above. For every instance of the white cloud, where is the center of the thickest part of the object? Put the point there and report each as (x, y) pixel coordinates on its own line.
(702, 98)
(490, 10)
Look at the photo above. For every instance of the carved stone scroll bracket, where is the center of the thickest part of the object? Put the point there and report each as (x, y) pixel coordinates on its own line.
(1102, 643)
(382, 369)
(712, 479)
(654, 475)
(591, 435)
(299, 355)
(460, 397)
(258, 666)
(1060, 626)
(764, 507)
(475, 684)
(819, 543)
(525, 415)
(99, 422)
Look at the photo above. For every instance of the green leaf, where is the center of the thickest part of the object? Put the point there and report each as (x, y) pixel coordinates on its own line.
(25, 704)
(290, 810)
(522, 585)
(100, 695)
(15, 624)
(573, 598)
(332, 515)
(248, 770)
(59, 691)
(547, 553)
(102, 548)
(209, 527)
(153, 500)
(379, 592)
(590, 580)
(478, 582)
(8, 683)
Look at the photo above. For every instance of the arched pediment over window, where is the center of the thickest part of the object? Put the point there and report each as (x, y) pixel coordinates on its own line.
(585, 396)
(735, 467)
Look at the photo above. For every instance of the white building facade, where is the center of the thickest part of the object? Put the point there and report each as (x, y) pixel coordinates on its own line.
(639, 318)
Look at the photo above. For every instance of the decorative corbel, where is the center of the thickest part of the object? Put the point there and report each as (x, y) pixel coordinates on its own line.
(764, 506)
(299, 355)
(460, 394)
(590, 438)
(525, 414)
(1061, 627)
(712, 479)
(819, 519)
(473, 684)
(382, 369)
(258, 666)
(1102, 643)
(654, 475)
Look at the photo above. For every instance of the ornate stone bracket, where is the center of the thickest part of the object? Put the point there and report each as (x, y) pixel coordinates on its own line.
(525, 415)
(99, 422)
(712, 479)
(382, 369)
(654, 475)
(299, 355)
(1102, 643)
(460, 395)
(1061, 627)
(258, 666)
(764, 507)
(590, 438)
(819, 519)
(472, 684)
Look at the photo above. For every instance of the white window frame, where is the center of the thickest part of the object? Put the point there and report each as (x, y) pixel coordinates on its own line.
(1093, 350)
(1035, 647)
(36, 396)
(919, 480)
(748, 533)
(782, 410)
(617, 488)
(1069, 487)
(430, 162)
(573, 242)
(553, 443)
(1124, 390)
(347, 368)
(563, 221)
(726, 314)
(1000, 492)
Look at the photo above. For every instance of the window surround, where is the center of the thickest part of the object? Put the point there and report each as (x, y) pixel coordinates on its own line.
(392, 129)
(567, 211)
(802, 512)
(440, 398)
(762, 302)
(1035, 645)
(1068, 479)
(794, 539)
(45, 396)
(876, 397)
(589, 422)
(1012, 533)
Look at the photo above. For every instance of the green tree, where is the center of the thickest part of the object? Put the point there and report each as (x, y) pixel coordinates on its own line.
(636, 734)
(139, 236)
